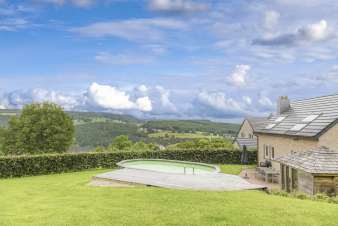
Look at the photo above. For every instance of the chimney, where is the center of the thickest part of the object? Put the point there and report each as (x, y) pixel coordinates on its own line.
(283, 105)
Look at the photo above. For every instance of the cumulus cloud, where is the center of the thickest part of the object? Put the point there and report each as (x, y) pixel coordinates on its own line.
(220, 103)
(177, 5)
(311, 33)
(165, 99)
(142, 89)
(109, 97)
(238, 77)
(132, 29)
(144, 104)
(97, 97)
(17, 99)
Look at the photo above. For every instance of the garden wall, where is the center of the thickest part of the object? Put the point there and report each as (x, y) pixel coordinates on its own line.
(17, 166)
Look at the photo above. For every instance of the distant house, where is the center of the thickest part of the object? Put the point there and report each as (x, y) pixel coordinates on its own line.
(313, 171)
(298, 126)
(245, 135)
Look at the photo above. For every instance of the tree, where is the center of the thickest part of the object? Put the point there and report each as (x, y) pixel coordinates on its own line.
(40, 128)
(2, 139)
(121, 143)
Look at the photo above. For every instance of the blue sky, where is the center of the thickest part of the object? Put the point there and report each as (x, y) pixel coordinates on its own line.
(219, 60)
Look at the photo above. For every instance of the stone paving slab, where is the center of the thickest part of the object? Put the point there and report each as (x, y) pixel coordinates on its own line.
(213, 181)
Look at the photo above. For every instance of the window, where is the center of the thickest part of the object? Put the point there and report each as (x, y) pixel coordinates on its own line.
(272, 152)
(270, 126)
(279, 119)
(266, 150)
(298, 127)
(310, 118)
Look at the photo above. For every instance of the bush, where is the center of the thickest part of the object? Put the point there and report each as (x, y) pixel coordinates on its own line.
(279, 193)
(300, 195)
(17, 166)
(321, 197)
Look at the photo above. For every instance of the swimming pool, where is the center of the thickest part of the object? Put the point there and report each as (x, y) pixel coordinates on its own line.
(169, 166)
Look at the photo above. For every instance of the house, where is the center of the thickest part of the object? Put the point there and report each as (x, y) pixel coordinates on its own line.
(312, 171)
(245, 135)
(298, 126)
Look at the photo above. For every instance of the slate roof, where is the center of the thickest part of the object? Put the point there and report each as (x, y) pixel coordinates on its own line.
(320, 160)
(248, 142)
(326, 107)
(256, 122)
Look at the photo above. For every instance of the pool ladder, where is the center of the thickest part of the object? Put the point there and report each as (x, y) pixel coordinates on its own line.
(185, 170)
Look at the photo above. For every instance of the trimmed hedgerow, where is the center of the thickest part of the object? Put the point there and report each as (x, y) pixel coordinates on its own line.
(17, 166)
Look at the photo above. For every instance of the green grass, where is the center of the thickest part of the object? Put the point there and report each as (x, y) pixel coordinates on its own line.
(234, 168)
(66, 199)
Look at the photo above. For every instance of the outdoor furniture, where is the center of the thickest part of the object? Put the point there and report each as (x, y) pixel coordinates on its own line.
(267, 174)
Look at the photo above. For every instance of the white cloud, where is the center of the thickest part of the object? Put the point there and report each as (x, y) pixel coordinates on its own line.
(144, 104)
(177, 5)
(315, 32)
(311, 33)
(18, 99)
(132, 29)
(122, 59)
(239, 76)
(220, 102)
(271, 19)
(109, 97)
(165, 99)
(142, 88)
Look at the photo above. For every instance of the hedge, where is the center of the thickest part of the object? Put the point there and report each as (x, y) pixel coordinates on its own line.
(17, 166)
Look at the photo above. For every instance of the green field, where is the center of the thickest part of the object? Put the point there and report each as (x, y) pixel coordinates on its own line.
(168, 134)
(66, 199)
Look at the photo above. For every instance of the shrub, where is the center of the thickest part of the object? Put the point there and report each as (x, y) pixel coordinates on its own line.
(321, 197)
(16, 166)
(300, 195)
(279, 193)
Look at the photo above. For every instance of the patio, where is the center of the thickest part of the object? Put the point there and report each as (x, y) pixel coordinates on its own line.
(264, 177)
(211, 182)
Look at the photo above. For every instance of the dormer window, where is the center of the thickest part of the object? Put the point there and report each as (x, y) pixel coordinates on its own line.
(310, 118)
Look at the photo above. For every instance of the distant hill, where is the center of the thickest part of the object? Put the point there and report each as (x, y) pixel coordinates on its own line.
(186, 126)
(94, 129)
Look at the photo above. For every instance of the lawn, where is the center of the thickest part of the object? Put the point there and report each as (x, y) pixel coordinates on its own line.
(66, 199)
(234, 168)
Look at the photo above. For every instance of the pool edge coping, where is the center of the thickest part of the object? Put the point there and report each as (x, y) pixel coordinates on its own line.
(216, 167)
